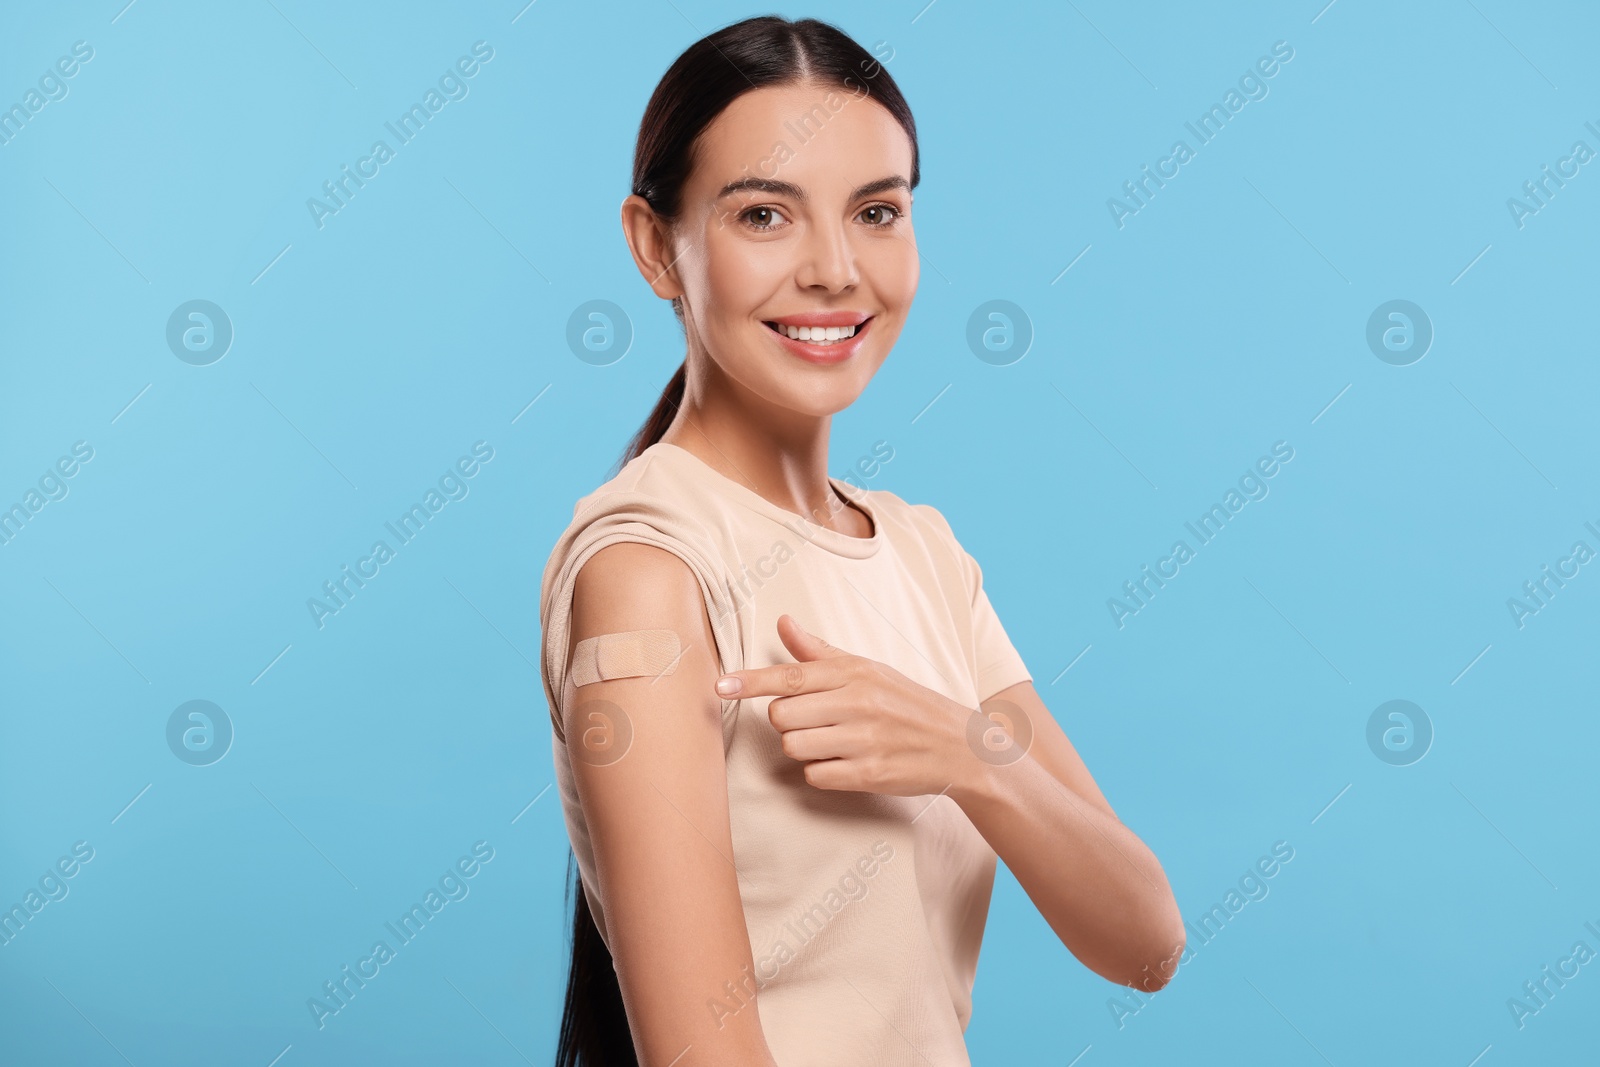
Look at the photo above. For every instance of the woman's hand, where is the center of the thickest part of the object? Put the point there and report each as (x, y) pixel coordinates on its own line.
(861, 725)
(857, 723)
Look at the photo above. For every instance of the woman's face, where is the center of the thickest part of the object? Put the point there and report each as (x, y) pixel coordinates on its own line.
(798, 213)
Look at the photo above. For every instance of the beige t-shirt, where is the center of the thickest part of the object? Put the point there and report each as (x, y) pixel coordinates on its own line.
(865, 912)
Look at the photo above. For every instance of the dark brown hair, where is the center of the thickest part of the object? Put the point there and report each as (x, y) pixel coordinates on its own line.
(700, 84)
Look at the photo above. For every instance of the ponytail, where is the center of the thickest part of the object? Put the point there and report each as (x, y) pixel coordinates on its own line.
(661, 416)
(594, 1024)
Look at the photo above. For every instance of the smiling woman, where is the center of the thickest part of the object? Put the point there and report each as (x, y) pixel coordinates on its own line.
(712, 803)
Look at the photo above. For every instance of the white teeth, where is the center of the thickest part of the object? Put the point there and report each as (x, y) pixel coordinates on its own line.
(823, 335)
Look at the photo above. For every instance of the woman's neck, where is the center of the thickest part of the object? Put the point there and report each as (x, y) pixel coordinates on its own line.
(789, 470)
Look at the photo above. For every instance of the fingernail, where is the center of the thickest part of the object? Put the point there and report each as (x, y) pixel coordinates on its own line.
(728, 685)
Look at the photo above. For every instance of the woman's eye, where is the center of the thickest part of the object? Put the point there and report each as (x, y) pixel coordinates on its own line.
(893, 213)
(768, 212)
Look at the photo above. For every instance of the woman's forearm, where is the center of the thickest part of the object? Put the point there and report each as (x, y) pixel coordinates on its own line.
(1099, 887)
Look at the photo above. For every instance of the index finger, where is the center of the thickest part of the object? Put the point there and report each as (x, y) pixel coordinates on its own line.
(786, 679)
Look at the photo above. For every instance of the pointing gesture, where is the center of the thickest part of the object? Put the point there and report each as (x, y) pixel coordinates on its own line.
(859, 724)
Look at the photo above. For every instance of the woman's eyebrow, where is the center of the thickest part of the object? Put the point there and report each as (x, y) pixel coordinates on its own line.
(794, 192)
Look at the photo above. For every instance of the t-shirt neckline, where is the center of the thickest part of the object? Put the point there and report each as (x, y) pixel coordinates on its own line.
(841, 544)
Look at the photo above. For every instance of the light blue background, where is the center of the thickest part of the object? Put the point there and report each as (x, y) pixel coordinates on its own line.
(1228, 314)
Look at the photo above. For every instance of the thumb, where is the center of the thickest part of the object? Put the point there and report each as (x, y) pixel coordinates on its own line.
(802, 644)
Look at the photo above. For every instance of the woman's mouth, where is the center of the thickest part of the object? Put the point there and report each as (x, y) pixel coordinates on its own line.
(821, 344)
(817, 335)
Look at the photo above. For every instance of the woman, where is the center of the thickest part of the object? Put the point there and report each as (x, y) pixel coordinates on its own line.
(819, 836)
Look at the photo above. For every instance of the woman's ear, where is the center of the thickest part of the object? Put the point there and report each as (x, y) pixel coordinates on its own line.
(650, 242)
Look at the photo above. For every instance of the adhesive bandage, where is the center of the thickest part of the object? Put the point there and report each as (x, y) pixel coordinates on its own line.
(625, 655)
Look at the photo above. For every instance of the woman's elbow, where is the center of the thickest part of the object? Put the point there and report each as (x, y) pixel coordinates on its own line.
(1149, 961)
(1158, 962)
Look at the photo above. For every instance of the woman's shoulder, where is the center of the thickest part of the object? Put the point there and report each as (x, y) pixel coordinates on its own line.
(921, 520)
(651, 495)
(647, 501)
(644, 481)
(924, 526)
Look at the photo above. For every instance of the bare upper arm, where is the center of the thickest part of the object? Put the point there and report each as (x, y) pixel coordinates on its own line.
(656, 806)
